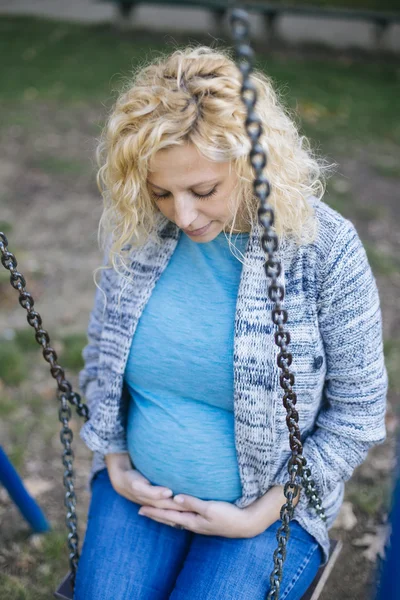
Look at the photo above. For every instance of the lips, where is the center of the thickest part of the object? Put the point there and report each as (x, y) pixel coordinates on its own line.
(199, 231)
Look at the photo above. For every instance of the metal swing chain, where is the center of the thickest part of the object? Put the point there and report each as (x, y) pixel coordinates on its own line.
(65, 395)
(297, 465)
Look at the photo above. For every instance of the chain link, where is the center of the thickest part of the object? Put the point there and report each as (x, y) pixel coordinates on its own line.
(298, 472)
(66, 397)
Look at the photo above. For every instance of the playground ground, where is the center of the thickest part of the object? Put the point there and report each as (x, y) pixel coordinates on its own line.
(59, 81)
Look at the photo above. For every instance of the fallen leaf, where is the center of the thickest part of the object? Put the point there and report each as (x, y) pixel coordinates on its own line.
(36, 541)
(24, 561)
(383, 464)
(341, 186)
(37, 486)
(346, 518)
(44, 569)
(374, 543)
(392, 422)
(4, 497)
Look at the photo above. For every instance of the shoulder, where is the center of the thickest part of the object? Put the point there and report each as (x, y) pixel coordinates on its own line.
(336, 242)
(333, 229)
(326, 228)
(336, 248)
(339, 257)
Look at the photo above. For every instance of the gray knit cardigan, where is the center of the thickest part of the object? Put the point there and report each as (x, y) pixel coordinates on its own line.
(335, 323)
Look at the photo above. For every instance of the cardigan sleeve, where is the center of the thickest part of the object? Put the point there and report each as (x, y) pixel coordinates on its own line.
(90, 353)
(352, 415)
(88, 376)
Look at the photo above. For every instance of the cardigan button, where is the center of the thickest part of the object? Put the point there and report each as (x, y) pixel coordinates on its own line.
(318, 362)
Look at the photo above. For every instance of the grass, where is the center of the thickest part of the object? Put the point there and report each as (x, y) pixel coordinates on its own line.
(343, 203)
(27, 414)
(369, 213)
(50, 61)
(392, 360)
(25, 339)
(54, 555)
(64, 61)
(370, 499)
(7, 405)
(51, 566)
(58, 165)
(348, 102)
(17, 454)
(339, 196)
(12, 363)
(71, 355)
(12, 588)
(20, 429)
(5, 227)
(4, 277)
(387, 168)
(381, 262)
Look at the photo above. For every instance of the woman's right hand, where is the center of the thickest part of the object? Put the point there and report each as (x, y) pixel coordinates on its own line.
(130, 483)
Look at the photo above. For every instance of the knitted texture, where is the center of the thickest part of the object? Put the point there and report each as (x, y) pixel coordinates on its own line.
(335, 324)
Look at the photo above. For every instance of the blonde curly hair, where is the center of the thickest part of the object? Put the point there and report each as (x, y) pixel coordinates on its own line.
(193, 95)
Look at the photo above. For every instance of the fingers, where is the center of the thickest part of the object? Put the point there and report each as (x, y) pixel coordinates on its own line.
(191, 503)
(154, 496)
(142, 488)
(188, 520)
(151, 492)
(168, 504)
(135, 487)
(138, 489)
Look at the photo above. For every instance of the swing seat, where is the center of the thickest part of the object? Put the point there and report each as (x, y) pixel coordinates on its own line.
(65, 592)
(315, 589)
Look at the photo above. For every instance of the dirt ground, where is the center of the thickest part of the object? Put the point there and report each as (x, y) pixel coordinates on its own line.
(54, 208)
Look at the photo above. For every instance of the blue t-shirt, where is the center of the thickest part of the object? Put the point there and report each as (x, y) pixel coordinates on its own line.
(179, 372)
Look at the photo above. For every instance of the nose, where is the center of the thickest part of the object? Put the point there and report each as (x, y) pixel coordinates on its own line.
(185, 212)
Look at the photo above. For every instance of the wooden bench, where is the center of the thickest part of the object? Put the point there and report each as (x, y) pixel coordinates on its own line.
(64, 591)
(381, 19)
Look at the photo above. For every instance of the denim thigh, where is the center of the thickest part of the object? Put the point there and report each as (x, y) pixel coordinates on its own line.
(126, 556)
(228, 569)
(129, 557)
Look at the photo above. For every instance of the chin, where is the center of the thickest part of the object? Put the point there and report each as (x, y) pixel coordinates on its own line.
(205, 239)
(209, 236)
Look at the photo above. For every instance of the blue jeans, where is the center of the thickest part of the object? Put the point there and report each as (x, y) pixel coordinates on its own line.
(126, 556)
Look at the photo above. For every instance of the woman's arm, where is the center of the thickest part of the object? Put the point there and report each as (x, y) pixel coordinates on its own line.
(264, 511)
(90, 353)
(90, 383)
(352, 418)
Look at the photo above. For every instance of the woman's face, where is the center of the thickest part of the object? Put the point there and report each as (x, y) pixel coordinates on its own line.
(192, 191)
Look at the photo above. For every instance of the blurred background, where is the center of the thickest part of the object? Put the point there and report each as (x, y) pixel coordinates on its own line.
(336, 65)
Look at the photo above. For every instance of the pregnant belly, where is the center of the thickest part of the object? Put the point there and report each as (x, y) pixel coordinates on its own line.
(190, 453)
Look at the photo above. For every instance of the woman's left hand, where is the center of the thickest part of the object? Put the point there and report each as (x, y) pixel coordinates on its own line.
(208, 517)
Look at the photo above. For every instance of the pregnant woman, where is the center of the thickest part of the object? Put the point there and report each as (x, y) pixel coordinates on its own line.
(187, 424)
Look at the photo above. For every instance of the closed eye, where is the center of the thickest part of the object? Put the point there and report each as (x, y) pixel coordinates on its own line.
(200, 196)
